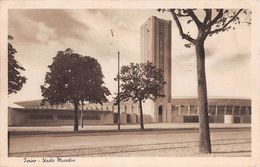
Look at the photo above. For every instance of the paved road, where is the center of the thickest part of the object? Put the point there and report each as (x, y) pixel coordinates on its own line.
(124, 127)
(230, 142)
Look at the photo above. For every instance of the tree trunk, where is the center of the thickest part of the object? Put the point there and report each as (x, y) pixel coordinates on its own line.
(118, 115)
(76, 120)
(141, 115)
(204, 133)
(82, 121)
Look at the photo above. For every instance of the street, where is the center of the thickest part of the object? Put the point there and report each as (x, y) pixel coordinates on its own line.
(172, 142)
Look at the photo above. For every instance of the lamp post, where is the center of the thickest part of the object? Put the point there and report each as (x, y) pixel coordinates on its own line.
(118, 91)
(118, 87)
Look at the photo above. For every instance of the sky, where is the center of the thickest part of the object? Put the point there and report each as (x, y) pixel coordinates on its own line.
(40, 33)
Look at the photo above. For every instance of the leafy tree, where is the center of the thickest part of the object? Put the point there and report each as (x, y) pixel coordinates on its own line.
(139, 82)
(15, 80)
(74, 78)
(208, 22)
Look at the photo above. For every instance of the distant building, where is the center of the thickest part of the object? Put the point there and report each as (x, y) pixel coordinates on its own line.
(220, 110)
(32, 113)
(183, 110)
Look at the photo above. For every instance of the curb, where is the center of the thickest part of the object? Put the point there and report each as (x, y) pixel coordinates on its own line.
(116, 132)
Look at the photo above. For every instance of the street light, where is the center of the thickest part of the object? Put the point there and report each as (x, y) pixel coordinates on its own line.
(118, 86)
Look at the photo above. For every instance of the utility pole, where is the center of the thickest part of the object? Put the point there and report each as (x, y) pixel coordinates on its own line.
(118, 86)
(118, 92)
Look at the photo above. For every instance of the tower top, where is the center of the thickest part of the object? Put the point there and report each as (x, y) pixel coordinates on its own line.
(159, 19)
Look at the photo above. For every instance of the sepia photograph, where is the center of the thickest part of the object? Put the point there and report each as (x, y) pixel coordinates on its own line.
(159, 82)
(62, 65)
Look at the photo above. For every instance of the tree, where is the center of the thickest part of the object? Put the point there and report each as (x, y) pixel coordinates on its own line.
(139, 82)
(74, 78)
(212, 22)
(15, 80)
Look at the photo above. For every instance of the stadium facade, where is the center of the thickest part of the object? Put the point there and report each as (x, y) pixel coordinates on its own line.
(183, 110)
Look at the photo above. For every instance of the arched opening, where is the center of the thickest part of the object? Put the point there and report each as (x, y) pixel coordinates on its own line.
(160, 111)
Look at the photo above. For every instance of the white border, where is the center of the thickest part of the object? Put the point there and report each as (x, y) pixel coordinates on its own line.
(254, 160)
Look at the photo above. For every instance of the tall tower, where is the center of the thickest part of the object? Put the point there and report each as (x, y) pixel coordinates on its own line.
(156, 48)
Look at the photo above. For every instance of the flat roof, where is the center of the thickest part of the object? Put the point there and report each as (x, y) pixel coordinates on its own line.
(59, 110)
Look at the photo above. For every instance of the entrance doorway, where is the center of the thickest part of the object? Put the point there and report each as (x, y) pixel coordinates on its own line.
(128, 118)
(160, 110)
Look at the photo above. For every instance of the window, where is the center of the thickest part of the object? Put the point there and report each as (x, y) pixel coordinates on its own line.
(184, 110)
(229, 110)
(243, 110)
(193, 110)
(249, 110)
(161, 46)
(91, 117)
(65, 117)
(212, 110)
(39, 117)
(221, 110)
(190, 119)
(175, 108)
(236, 110)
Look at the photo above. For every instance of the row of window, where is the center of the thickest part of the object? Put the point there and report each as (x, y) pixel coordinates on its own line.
(106, 108)
(221, 110)
(64, 117)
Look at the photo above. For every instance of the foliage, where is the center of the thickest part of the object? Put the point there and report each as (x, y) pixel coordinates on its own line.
(15, 80)
(74, 78)
(139, 82)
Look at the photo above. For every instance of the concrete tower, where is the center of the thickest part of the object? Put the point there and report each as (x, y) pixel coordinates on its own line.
(156, 48)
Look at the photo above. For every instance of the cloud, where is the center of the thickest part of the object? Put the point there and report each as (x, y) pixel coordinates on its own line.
(21, 28)
(45, 33)
(230, 63)
(98, 40)
(59, 21)
(209, 52)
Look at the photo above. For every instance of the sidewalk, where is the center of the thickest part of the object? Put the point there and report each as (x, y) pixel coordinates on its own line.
(159, 140)
(124, 128)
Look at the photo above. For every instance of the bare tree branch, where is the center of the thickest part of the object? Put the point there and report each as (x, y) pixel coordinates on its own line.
(206, 20)
(194, 17)
(223, 28)
(183, 35)
(207, 17)
(218, 16)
